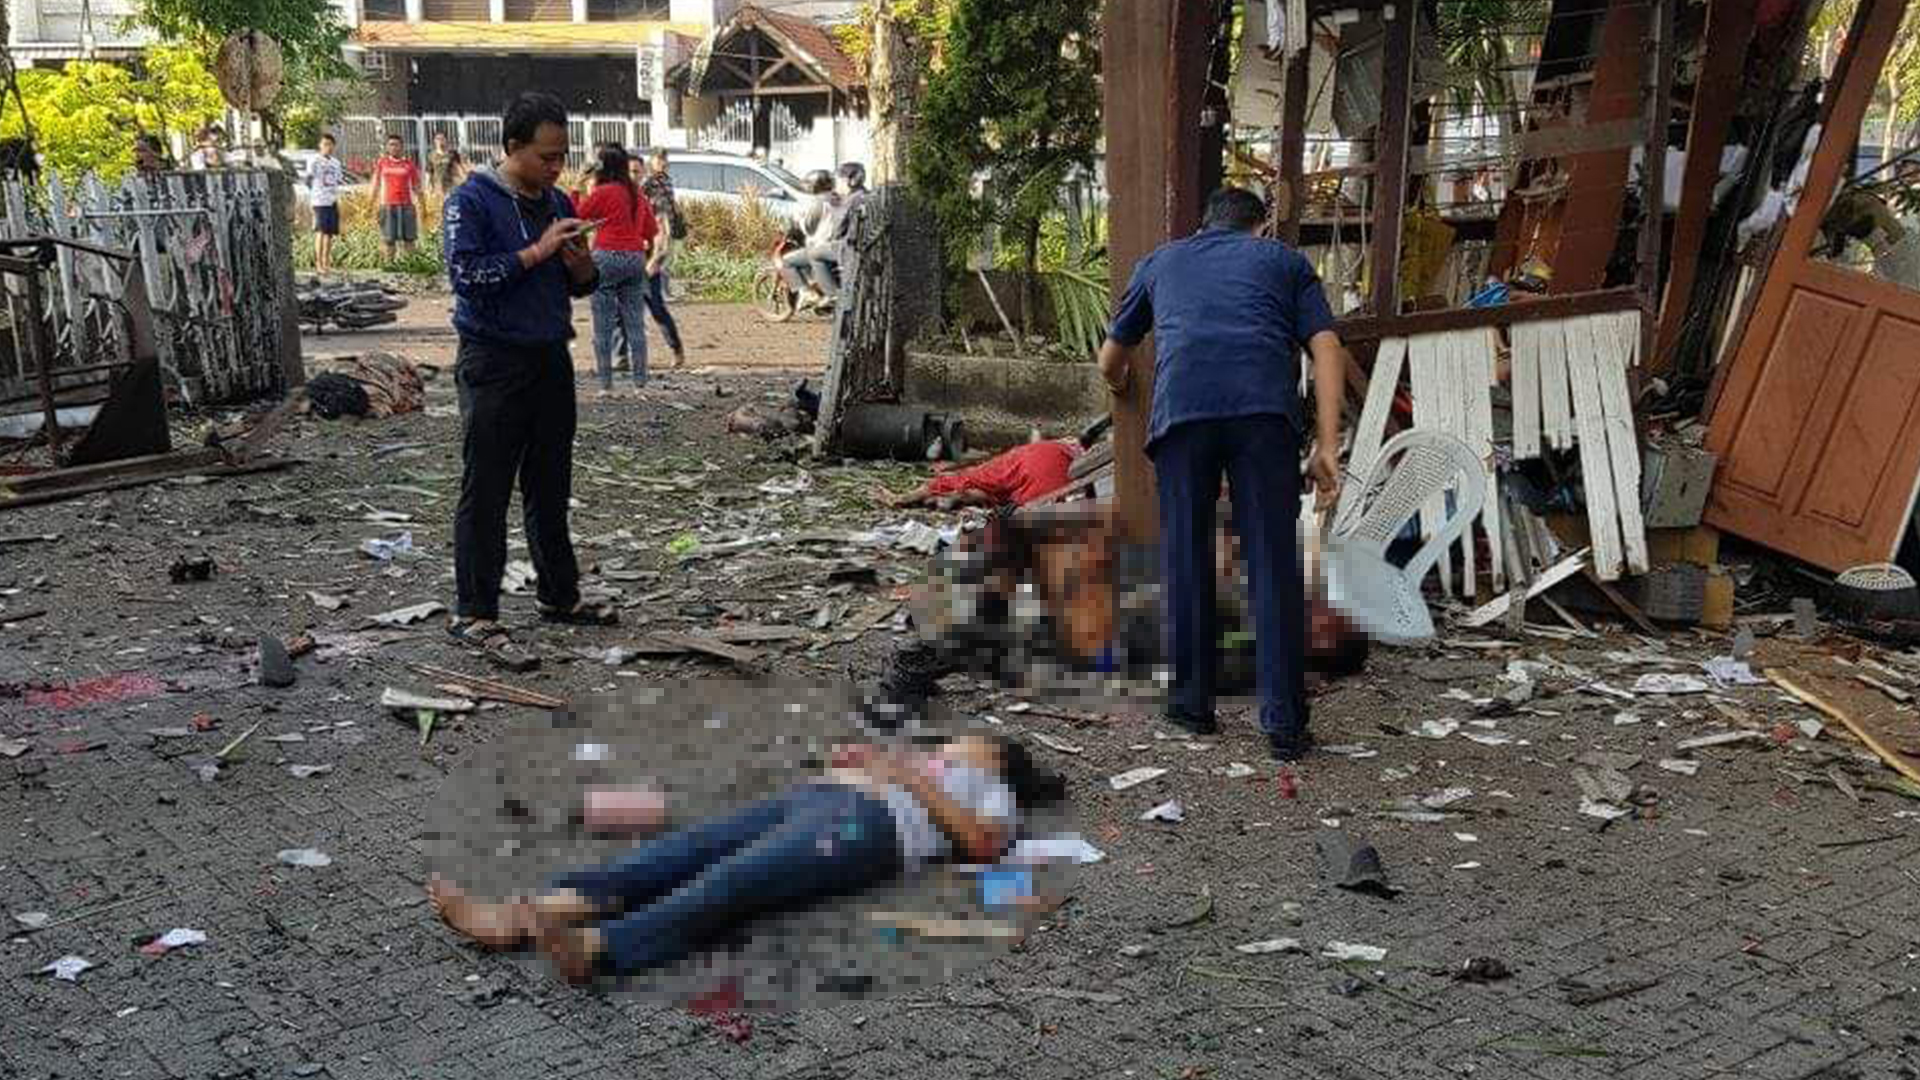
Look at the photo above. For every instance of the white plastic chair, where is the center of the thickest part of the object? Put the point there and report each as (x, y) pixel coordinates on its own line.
(1413, 470)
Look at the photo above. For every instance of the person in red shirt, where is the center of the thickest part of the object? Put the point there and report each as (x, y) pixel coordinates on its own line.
(1014, 478)
(626, 249)
(396, 187)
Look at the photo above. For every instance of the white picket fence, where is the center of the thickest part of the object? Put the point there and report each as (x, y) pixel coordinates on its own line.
(206, 256)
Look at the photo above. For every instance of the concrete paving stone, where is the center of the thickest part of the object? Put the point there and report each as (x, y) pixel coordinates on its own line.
(372, 1038)
(1722, 1050)
(1795, 1061)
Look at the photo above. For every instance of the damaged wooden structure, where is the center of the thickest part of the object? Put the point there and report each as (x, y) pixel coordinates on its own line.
(1633, 317)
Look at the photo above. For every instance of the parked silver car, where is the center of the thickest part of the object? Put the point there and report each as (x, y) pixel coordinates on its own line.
(706, 176)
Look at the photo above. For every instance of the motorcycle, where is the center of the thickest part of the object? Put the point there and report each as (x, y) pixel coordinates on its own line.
(776, 300)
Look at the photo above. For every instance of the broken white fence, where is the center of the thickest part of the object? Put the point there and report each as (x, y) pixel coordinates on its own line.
(216, 271)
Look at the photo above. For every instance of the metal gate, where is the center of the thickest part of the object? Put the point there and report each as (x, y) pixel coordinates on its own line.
(731, 131)
(363, 138)
(205, 246)
(787, 136)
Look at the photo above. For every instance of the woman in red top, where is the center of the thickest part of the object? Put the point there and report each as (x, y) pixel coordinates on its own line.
(627, 234)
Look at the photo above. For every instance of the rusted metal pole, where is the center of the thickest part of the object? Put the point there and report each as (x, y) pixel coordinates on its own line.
(1390, 158)
(1293, 145)
(42, 352)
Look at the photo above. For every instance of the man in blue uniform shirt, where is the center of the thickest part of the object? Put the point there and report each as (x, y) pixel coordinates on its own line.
(1229, 313)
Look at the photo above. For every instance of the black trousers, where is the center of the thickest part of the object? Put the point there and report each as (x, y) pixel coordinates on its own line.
(1260, 457)
(518, 409)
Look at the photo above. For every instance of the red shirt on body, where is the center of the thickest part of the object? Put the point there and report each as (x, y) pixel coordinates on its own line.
(395, 179)
(627, 221)
(1016, 477)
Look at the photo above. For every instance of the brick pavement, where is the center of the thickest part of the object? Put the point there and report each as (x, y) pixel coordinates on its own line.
(1774, 957)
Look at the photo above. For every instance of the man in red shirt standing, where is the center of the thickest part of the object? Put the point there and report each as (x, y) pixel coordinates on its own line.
(396, 187)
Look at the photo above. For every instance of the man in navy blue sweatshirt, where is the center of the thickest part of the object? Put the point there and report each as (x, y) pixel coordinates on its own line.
(517, 258)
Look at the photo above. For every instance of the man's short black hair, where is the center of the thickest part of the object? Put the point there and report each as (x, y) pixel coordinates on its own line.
(394, 136)
(1235, 208)
(523, 116)
(327, 136)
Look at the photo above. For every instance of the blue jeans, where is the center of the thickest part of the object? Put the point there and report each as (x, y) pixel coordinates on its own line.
(618, 306)
(781, 854)
(1260, 457)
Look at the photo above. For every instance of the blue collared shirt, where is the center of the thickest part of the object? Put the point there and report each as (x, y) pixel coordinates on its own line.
(1229, 313)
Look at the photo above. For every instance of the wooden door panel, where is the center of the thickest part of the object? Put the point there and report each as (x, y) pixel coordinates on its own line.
(1856, 479)
(1781, 391)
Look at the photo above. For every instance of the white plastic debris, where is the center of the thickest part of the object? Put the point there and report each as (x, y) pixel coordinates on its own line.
(1052, 743)
(67, 968)
(385, 550)
(1680, 765)
(1054, 847)
(1609, 691)
(1436, 729)
(1446, 797)
(308, 772)
(1351, 750)
(1488, 738)
(1728, 671)
(1135, 777)
(177, 938)
(405, 701)
(1466, 866)
(1170, 811)
(1270, 946)
(312, 858)
(592, 751)
(1236, 770)
(1341, 950)
(1604, 811)
(1661, 682)
(1135, 952)
(1466, 838)
(1724, 738)
(411, 614)
(32, 920)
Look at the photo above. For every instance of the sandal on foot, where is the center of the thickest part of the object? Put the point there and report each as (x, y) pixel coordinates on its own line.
(492, 641)
(584, 613)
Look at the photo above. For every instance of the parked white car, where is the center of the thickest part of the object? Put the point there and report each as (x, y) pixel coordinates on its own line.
(705, 176)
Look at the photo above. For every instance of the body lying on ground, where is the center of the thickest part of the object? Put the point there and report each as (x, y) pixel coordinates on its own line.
(873, 815)
(1098, 610)
(1014, 478)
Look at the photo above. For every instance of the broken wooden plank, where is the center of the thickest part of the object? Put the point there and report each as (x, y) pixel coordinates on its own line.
(668, 643)
(1596, 467)
(1555, 423)
(1524, 387)
(1481, 372)
(1370, 432)
(1423, 360)
(1617, 342)
(1457, 393)
(1872, 722)
(1891, 691)
(1619, 600)
(1547, 579)
(935, 928)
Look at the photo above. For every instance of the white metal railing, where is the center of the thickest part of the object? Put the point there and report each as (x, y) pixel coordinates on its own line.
(362, 138)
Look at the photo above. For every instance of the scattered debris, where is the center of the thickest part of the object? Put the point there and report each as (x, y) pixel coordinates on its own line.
(1446, 797)
(1436, 729)
(1057, 846)
(1682, 766)
(1353, 865)
(1661, 682)
(1341, 950)
(1482, 969)
(1135, 952)
(1271, 945)
(67, 968)
(1170, 811)
(185, 569)
(327, 601)
(312, 858)
(33, 920)
(308, 772)
(13, 748)
(1608, 759)
(276, 667)
(1728, 671)
(1052, 743)
(1724, 738)
(238, 741)
(404, 701)
(177, 938)
(407, 616)
(1135, 777)
(485, 689)
(1235, 770)
(935, 928)
(389, 549)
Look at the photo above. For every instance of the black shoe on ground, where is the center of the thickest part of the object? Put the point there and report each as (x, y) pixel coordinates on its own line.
(1290, 747)
(1192, 723)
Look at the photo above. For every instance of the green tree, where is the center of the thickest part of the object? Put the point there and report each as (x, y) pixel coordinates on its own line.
(85, 114)
(310, 34)
(1015, 100)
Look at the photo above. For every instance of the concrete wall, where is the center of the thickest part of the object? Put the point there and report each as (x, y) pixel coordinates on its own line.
(1002, 400)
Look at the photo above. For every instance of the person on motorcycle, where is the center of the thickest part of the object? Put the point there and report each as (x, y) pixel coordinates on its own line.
(816, 224)
(826, 264)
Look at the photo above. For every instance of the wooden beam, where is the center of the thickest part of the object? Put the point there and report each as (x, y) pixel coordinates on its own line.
(1659, 106)
(1598, 190)
(1429, 322)
(1293, 144)
(1390, 155)
(1730, 25)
